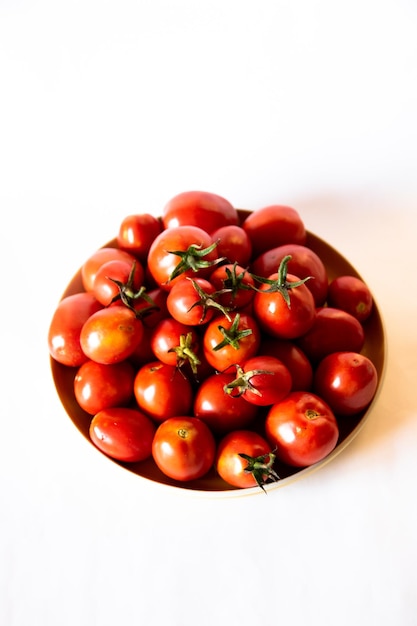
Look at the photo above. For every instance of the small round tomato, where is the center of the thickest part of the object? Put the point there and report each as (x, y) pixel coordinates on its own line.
(302, 429)
(333, 330)
(190, 301)
(111, 335)
(97, 259)
(65, 328)
(262, 380)
(237, 284)
(123, 434)
(162, 391)
(98, 386)
(233, 244)
(137, 232)
(118, 281)
(199, 208)
(351, 294)
(222, 411)
(273, 226)
(294, 358)
(245, 459)
(347, 381)
(184, 448)
(174, 343)
(227, 341)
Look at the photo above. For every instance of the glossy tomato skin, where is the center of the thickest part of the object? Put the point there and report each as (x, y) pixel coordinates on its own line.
(166, 337)
(293, 357)
(269, 387)
(279, 320)
(272, 226)
(333, 330)
(111, 335)
(222, 412)
(97, 259)
(199, 208)
(351, 294)
(184, 448)
(246, 347)
(123, 434)
(302, 429)
(347, 381)
(137, 232)
(65, 328)
(233, 244)
(98, 386)
(106, 289)
(183, 301)
(304, 263)
(162, 391)
(230, 466)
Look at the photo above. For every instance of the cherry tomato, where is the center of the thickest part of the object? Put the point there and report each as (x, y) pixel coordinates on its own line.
(123, 434)
(174, 343)
(229, 341)
(222, 411)
(333, 330)
(111, 335)
(273, 226)
(293, 357)
(65, 328)
(184, 448)
(304, 263)
(97, 259)
(118, 280)
(199, 208)
(233, 244)
(245, 459)
(302, 429)
(137, 232)
(162, 391)
(98, 386)
(351, 294)
(262, 380)
(237, 283)
(151, 307)
(189, 301)
(347, 381)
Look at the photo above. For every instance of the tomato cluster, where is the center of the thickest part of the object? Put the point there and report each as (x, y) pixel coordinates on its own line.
(209, 342)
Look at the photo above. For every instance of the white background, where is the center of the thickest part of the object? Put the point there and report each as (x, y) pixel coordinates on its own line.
(109, 108)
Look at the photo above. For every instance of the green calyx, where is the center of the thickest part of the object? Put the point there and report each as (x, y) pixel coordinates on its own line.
(233, 335)
(280, 284)
(208, 300)
(129, 296)
(194, 259)
(185, 353)
(242, 383)
(261, 468)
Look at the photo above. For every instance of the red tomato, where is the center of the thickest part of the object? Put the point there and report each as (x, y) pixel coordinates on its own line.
(174, 343)
(118, 280)
(199, 208)
(302, 429)
(137, 232)
(189, 301)
(98, 386)
(123, 434)
(151, 307)
(304, 263)
(274, 226)
(351, 294)
(223, 412)
(184, 448)
(237, 282)
(262, 380)
(233, 244)
(347, 381)
(245, 459)
(294, 358)
(230, 341)
(333, 330)
(97, 259)
(111, 335)
(65, 328)
(162, 391)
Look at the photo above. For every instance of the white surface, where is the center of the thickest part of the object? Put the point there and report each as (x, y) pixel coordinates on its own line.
(108, 108)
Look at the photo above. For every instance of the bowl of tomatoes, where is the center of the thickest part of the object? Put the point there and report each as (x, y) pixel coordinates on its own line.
(217, 350)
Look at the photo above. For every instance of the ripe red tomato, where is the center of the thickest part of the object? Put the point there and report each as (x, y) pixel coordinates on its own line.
(274, 226)
(198, 208)
(97, 259)
(174, 343)
(230, 341)
(111, 335)
(237, 282)
(98, 386)
(262, 380)
(351, 294)
(233, 244)
(294, 358)
(189, 301)
(162, 391)
(123, 434)
(245, 459)
(65, 328)
(222, 412)
(304, 263)
(333, 330)
(184, 448)
(137, 232)
(347, 381)
(118, 280)
(302, 429)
